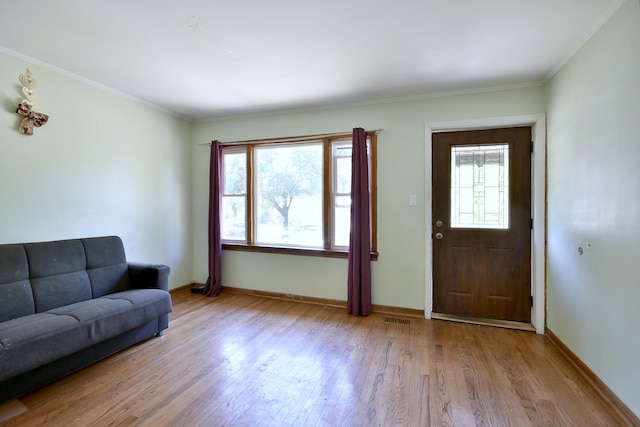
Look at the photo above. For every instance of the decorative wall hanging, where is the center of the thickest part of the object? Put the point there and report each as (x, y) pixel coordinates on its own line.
(27, 108)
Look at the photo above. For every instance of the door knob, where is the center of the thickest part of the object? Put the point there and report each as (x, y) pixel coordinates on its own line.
(439, 236)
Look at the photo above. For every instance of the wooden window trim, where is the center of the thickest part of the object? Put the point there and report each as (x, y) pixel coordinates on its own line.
(327, 251)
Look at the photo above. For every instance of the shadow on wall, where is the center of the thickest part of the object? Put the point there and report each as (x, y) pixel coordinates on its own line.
(10, 104)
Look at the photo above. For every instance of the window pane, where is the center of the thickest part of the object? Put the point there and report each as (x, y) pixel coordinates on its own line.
(233, 221)
(342, 220)
(288, 200)
(480, 186)
(342, 147)
(235, 172)
(341, 169)
(343, 175)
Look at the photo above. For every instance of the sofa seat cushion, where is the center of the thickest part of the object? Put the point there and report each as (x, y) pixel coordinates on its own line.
(148, 303)
(30, 341)
(113, 314)
(100, 318)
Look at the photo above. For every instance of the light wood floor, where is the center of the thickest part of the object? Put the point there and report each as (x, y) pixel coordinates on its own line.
(239, 360)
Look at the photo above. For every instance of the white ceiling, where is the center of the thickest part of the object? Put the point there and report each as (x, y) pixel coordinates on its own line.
(212, 58)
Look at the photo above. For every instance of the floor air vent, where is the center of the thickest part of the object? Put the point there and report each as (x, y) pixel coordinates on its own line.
(396, 320)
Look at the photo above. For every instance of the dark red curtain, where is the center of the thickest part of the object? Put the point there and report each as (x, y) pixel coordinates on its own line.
(213, 286)
(359, 283)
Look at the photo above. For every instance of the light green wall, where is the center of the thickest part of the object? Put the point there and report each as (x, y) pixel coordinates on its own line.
(399, 274)
(594, 196)
(101, 165)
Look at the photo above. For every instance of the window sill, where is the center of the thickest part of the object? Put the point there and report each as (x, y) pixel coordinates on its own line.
(322, 253)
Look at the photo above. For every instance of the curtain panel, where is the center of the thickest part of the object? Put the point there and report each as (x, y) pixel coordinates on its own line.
(359, 281)
(213, 286)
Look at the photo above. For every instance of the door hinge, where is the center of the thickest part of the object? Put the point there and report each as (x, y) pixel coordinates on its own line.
(532, 146)
(531, 300)
(532, 223)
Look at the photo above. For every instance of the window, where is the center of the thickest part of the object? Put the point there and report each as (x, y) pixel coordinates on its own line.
(293, 196)
(234, 195)
(480, 186)
(341, 192)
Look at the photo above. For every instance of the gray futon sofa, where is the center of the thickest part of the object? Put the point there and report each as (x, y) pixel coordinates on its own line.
(68, 303)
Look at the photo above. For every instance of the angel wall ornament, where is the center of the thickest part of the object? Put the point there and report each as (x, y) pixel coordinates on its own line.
(27, 108)
(31, 118)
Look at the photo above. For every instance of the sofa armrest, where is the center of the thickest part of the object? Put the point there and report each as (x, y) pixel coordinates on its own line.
(149, 276)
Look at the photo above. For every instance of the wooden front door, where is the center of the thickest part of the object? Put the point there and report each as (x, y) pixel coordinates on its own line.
(482, 223)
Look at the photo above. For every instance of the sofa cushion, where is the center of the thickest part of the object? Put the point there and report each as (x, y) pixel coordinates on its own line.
(16, 298)
(147, 303)
(52, 258)
(60, 290)
(106, 265)
(106, 317)
(103, 251)
(108, 280)
(31, 341)
(14, 266)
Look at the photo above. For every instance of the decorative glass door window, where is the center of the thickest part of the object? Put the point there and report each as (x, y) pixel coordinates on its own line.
(480, 186)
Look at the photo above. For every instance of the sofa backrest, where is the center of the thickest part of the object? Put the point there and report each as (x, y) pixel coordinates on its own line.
(36, 277)
(106, 265)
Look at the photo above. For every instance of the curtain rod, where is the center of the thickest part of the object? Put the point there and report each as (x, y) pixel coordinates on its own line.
(290, 139)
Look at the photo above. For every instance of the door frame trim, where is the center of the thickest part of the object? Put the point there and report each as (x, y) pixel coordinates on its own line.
(538, 206)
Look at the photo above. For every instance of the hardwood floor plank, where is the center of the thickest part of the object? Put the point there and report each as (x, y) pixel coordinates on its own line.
(439, 394)
(243, 360)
